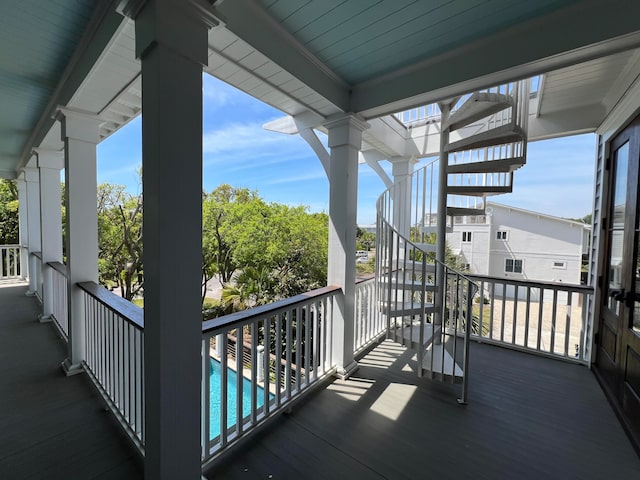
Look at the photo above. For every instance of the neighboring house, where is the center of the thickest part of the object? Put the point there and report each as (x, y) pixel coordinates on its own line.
(519, 244)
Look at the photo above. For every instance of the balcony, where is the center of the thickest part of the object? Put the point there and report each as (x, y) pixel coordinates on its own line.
(528, 416)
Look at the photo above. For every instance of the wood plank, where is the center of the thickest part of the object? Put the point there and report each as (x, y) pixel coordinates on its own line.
(528, 417)
(51, 426)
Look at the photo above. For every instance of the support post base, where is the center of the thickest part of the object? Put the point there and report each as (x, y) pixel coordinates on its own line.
(30, 293)
(70, 369)
(345, 372)
(44, 318)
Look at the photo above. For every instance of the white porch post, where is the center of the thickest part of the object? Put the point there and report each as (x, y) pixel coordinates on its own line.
(80, 137)
(32, 179)
(23, 226)
(171, 42)
(402, 168)
(345, 141)
(50, 162)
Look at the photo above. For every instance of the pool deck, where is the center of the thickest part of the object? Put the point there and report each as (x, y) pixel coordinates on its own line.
(51, 426)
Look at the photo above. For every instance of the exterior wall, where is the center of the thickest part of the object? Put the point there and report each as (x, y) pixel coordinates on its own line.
(476, 252)
(536, 239)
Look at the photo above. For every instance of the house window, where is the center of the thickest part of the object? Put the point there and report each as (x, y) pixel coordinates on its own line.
(466, 237)
(512, 265)
(501, 235)
(562, 265)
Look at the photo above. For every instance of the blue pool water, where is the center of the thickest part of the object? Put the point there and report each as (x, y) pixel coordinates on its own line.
(214, 390)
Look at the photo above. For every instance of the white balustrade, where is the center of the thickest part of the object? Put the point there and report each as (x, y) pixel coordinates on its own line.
(369, 323)
(539, 317)
(10, 267)
(255, 363)
(60, 315)
(114, 356)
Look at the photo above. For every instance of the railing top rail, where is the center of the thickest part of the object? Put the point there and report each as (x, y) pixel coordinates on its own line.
(534, 283)
(37, 255)
(369, 278)
(58, 267)
(127, 310)
(10, 246)
(246, 316)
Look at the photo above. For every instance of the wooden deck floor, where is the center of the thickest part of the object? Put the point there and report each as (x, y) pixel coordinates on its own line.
(528, 418)
(51, 426)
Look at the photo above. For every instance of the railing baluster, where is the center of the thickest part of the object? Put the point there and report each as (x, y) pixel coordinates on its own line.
(515, 315)
(552, 347)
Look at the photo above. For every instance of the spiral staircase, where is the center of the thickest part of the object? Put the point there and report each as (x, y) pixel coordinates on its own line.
(429, 305)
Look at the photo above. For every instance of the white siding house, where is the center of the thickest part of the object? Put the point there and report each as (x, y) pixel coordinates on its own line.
(519, 244)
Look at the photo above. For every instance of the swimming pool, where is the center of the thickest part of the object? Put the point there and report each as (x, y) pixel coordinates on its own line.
(215, 374)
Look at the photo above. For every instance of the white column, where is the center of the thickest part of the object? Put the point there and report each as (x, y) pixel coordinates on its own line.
(171, 42)
(50, 162)
(402, 168)
(32, 179)
(80, 137)
(345, 141)
(23, 226)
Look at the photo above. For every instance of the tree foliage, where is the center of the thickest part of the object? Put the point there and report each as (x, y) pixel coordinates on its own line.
(9, 229)
(261, 251)
(120, 239)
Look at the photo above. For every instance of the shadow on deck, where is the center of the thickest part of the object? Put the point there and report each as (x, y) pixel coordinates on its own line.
(528, 417)
(51, 426)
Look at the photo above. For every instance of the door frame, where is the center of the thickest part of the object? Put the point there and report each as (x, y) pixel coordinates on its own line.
(611, 372)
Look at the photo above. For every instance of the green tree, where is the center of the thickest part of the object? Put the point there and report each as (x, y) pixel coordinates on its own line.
(221, 211)
(120, 239)
(9, 223)
(261, 251)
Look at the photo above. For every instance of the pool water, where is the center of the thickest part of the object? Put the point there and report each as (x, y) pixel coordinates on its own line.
(214, 391)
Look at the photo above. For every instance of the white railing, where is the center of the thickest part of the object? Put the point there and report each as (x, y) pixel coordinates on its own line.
(59, 289)
(426, 303)
(419, 115)
(237, 395)
(369, 324)
(37, 274)
(10, 266)
(114, 339)
(539, 317)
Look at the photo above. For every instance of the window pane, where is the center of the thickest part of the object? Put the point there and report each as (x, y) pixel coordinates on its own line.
(517, 266)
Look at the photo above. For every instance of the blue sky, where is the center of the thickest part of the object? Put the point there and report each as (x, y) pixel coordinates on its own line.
(557, 180)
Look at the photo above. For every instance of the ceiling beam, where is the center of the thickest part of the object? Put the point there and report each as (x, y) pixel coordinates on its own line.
(575, 34)
(248, 20)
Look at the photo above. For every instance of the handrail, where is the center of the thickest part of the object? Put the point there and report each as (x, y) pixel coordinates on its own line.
(58, 267)
(127, 310)
(247, 316)
(573, 287)
(37, 255)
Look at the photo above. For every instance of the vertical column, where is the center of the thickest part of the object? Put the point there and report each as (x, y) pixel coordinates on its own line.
(50, 162)
(402, 168)
(345, 141)
(32, 179)
(80, 136)
(172, 44)
(23, 226)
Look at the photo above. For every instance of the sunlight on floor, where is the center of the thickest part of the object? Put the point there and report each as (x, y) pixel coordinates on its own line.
(393, 400)
(352, 389)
